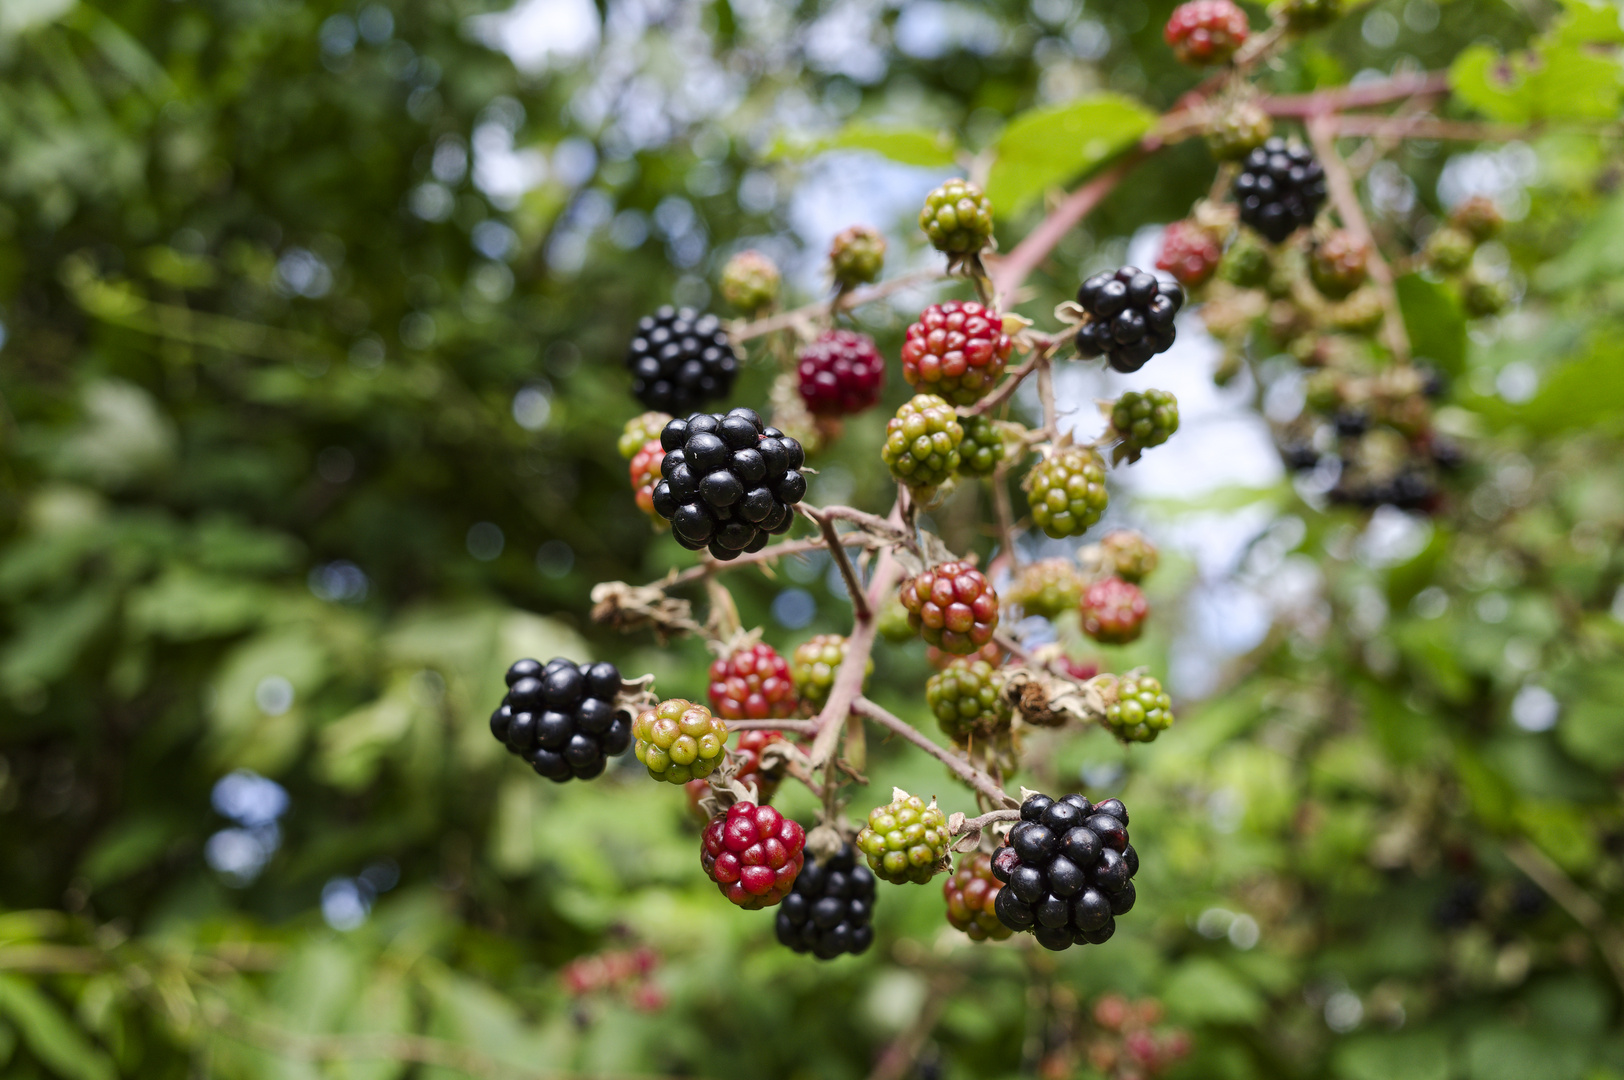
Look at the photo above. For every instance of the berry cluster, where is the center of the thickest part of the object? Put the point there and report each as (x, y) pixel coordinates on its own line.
(1066, 491)
(1130, 555)
(840, 373)
(753, 853)
(680, 359)
(856, 256)
(957, 218)
(1127, 1045)
(1190, 253)
(1239, 130)
(641, 430)
(814, 664)
(750, 281)
(952, 606)
(1279, 189)
(1069, 870)
(1338, 264)
(971, 893)
(752, 683)
(644, 470)
(1048, 587)
(956, 351)
(1130, 316)
(729, 482)
(983, 446)
(679, 741)
(1206, 31)
(1113, 611)
(1144, 419)
(904, 839)
(922, 442)
(747, 757)
(1142, 709)
(562, 718)
(626, 974)
(967, 698)
(829, 912)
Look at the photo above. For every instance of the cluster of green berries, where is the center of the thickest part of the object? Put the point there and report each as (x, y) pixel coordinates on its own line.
(1142, 419)
(904, 839)
(1066, 491)
(922, 442)
(814, 664)
(1048, 587)
(967, 698)
(983, 445)
(1142, 709)
(750, 281)
(679, 740)
(1338, 264)
(856, 256)
(957, 218)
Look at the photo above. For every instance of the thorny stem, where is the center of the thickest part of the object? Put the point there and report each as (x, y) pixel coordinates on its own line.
(845, 301)
(709, 567)
(800, 727)
(854, 585)
(965, 771)
(1340, 182)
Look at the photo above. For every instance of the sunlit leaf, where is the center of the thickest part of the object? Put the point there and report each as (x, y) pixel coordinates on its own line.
(1046, 147)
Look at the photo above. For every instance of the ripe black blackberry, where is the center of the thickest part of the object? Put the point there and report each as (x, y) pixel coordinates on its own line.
(830, 910)
(1130, 316)
(729, 481)
(1280, 188)
(562, 718)
(680, 359)
(1069, 870)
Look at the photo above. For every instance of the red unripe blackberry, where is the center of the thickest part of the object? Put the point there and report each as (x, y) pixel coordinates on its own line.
(753, 854)
(1206, 31)
(970, 892)
(562, 718)
(680, 359)
(953, 606)
(857, 255)
(645, 473)
(956, 351)
(1279, 189)
(1113, 611)
(752, 684)
(840, 373)
(1189, 253)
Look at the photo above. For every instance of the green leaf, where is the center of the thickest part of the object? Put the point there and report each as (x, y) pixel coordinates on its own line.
(909, 146)
(1587, 392)
(1204, 989)
(49, 1034)
(1564, 75)
(126, 848)
(1434, 321)
(1045, 147)
(1417, 1056)
(185, 605)
(1595, 254)
(52, 637)
(1502, 1053)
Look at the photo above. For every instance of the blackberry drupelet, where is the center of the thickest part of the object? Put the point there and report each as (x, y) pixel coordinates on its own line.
(1280, 189)
(830, 910)
(680, 359)
(729, 481)
(1067, 871)
(1130, 316)
(562, 718)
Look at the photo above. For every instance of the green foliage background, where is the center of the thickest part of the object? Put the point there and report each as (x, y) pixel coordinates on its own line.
(253, 330)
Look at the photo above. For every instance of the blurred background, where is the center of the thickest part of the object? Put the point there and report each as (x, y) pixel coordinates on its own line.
(312, 318)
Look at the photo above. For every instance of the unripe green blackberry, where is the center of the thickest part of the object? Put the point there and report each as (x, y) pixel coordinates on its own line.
(679, 741)
(1360, 313)
(1242, 128)
(1449, 249)
(856, 256)
(1141, 711)
(968, 700)
(750, 281)
(922, 442)
(953, 606)
(904, 839)
(814, 664)
(892, 621)
(1066, 491)
(970, 892)
(957, 217)
(1478, 217)
(1304, 15)
(1112, 611)
(1048, 587)
(1248, 263)
(639, 430)
(1143, 420)
(1338, 264)
(1131, 555)
(1484, 297)
(983, 445)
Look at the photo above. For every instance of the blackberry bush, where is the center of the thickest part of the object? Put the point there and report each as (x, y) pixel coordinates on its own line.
(679, 741)
(856, 256)
(562, 718)
(952, 606)
(922, 442)
(729, 482)
(840, 373)
(956, 351)
(967, 698)
(1066, 491)
(957, 218)
(680, 359)
(1067, 871)
(1130, 316)
(753, 853)
(1142, 709)
(752, 683)
(830, 911)
(1113, 611)
(904, 839)
(971, 893)
(1280, 188)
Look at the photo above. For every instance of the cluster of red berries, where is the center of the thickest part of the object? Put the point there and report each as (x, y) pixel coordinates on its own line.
(626, 974)
(1127, 1043)
(953, 606)
(753, 854)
